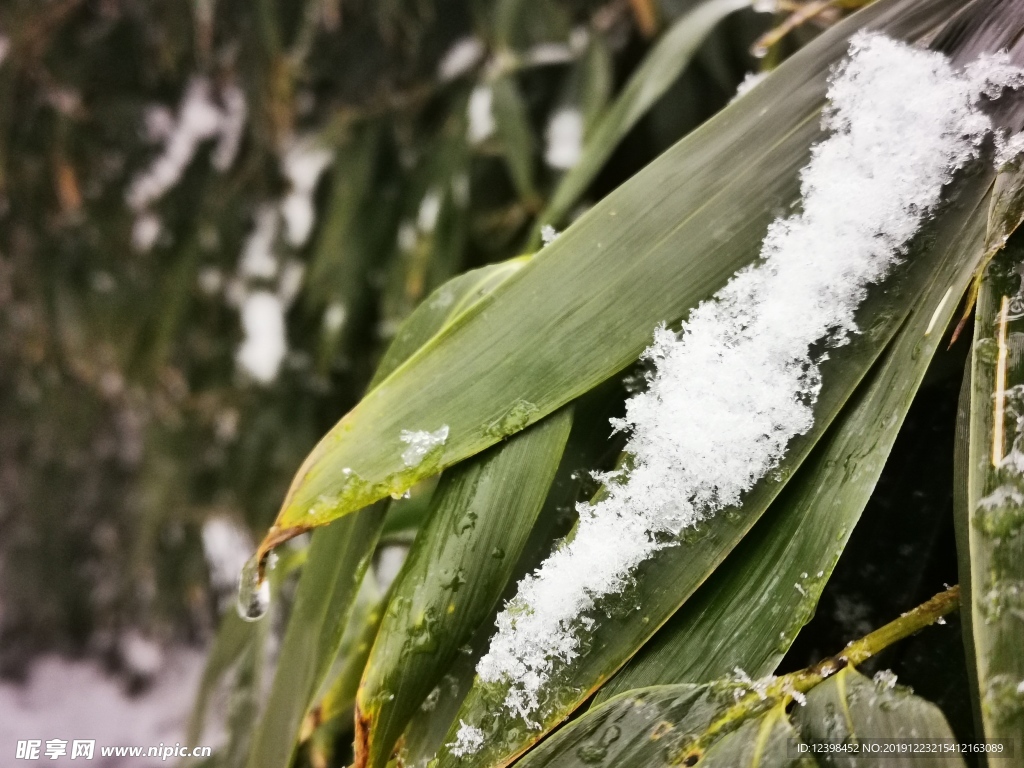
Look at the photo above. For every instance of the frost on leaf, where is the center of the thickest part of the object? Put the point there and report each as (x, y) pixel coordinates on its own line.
(421, 443)
(740, 380)
(468, 740)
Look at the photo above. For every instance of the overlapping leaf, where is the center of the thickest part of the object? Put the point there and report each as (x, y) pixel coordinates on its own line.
(990, 507)
(751, 608)
(538, 341)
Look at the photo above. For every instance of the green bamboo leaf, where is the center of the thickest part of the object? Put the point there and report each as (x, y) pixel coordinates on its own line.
(587, 447)
(338, 558)
(230, 645)
(849, 707)
(339, 555)
(989, 508)
(666, 581)
(513, 127)
(769, 741)
(736, 721)
(481, 516)
(649, 728)
(337, 696)
(339, 253)
(662, 66)
(538, 341)
(751, 609)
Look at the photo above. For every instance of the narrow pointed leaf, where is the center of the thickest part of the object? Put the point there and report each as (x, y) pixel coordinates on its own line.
(848, 707)
(669, 579)
(513, 126)
(991, 510)
(538, 341)
(339, 555)
(482, 514)
(663, 65)
(751, 609)
(650, 727)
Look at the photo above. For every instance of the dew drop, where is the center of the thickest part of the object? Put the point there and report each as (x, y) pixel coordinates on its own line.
(253, 592)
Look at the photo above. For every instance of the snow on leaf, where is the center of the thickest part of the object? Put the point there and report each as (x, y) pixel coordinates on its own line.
(740, 380)
(421, 443)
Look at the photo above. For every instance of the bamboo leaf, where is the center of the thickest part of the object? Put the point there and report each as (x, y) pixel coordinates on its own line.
(751, 609)
(849, 707)
(662, 66)
(734, 721)
(513, 126)
(338, 558)
(538, 342)
(990, 506)
(482, 513)
(667, 580)
(339, 555)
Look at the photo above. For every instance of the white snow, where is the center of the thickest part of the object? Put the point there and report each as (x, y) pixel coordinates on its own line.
(481, 114)
(430, 209)
(751, 81)
(227, 546)
(468, 740)
(421, 443)
(265, 345)
(258, 257)
(146, 231)
(303, 163)
(564, 138)
(199, 119)
(334, 317)
(1010, 148)
(460, 59)
(548, 234)
(740, 380)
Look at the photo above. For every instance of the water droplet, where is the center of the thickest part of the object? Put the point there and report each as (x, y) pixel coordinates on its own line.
(466, 523)
(253, 592)
(515, 419)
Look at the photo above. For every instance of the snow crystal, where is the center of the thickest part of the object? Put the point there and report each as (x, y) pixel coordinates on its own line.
(885, 678)
(548, 234)
(481, 114)
(564, 138)
(460, 59)
(751, 81)
(468, 740)
(265, 344)
(199, 119)
(421, 443)
(303, 164)
(1010, 149)
(740, 380)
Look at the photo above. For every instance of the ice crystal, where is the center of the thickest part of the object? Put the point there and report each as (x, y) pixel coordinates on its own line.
(421, 443)
(740, 380)
(468, 740)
